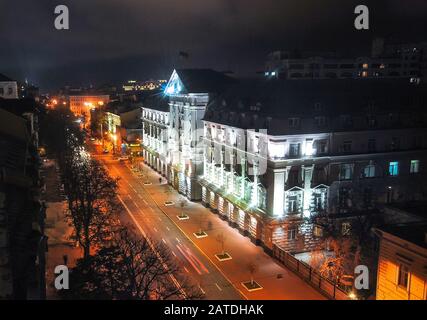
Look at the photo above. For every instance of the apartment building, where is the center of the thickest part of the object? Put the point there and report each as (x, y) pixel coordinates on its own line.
(276, 153)
(22, 240)
(402, 262)
(387, 61)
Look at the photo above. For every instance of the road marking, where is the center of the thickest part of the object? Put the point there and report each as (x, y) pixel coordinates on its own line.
(160, 219)
(177, 284)
(151, 209)
(186, 270)
(174, 254)
(219, 288)
(178, 240)
(203, 291)
(189, 260)
(164, 241)
(145, 201)
(167, 228)
(155, 229)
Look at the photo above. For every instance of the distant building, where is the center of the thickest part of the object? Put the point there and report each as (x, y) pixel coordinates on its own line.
(133, 85)
(387, 61)
(8, 88)
(82, 105)
(402, 262)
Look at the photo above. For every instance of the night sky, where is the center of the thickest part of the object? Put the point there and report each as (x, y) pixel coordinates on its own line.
(114, 40)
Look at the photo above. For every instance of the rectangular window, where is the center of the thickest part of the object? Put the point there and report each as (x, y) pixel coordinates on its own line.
(403, 276)
(345, 228)
(372, 145)
(294, 122)
(292, 234)
(294, 149)
(415, 166)
(320, 121)
(369, 171)
(395, 143)
(318, 231)
(346, 147)
(346, 172)
(393, 168)
(321, 145)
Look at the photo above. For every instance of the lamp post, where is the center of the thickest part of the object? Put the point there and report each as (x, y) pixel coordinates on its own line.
(114, 137)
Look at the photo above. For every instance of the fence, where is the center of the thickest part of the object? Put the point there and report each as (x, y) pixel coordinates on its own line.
(324, 285)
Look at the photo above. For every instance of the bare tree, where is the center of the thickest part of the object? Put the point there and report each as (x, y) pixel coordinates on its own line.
(252, 268)
(131, 268)
(182, 204)
(221, 240)
(92, 200)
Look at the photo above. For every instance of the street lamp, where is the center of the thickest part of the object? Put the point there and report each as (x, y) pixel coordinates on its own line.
(114, 137)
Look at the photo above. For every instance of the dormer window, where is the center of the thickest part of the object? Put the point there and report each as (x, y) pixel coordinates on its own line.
(320, 121)
(294, 123)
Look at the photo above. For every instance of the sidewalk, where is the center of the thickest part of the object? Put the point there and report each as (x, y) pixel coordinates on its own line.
(278, 283)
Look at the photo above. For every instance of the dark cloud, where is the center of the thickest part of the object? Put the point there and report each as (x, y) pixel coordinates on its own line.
(115, 39)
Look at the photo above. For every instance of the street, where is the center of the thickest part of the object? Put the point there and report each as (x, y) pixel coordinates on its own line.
(144, 205)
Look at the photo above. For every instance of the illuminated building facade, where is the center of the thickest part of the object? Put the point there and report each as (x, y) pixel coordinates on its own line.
(81, 105)
(133, 85)
(155, 128)
(278, 153)
(402, 262)
(189, 91)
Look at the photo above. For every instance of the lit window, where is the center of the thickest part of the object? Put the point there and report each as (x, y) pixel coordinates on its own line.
(346, 171)
(415, 166)
(318, 231)
(345, 228)
(294, 149)
(393, 168)
(403, 276)
(369, 171)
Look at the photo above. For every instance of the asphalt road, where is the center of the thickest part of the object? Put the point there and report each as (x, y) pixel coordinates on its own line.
(145, 214)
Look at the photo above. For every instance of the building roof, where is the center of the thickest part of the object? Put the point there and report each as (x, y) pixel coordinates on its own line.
(157, 101)
(282, 99)
(203, 80)
(413, 233)
(5, 78)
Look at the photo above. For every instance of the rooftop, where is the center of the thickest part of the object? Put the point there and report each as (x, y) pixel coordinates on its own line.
(281, 99)
(414, 233)
(203, 80)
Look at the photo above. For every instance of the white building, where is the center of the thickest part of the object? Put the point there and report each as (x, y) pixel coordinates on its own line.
(155, 128)
(8, 88)
(189, 92)
(278, 153)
